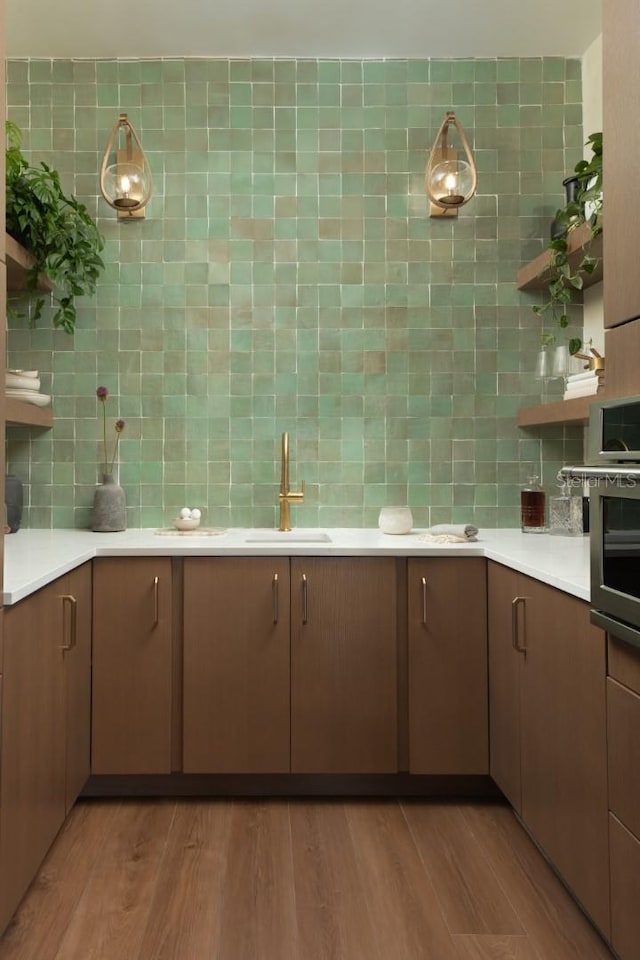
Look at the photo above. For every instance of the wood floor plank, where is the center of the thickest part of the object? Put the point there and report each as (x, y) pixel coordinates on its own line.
(471, 898)
(40, 923)
(309, 880)
(488, 947)
(112, 914)
(552, 921)
(184, 918)
(334, 922)
(258, 919)
(409, 923)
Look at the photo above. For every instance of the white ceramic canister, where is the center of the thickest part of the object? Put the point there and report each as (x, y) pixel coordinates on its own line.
(395, 520)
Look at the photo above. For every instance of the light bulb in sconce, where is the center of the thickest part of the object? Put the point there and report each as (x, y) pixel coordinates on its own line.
(450, 183)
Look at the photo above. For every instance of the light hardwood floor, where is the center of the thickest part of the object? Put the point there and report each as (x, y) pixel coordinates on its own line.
(297, 880)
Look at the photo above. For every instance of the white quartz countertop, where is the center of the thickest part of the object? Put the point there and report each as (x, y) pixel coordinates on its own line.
(34, 558)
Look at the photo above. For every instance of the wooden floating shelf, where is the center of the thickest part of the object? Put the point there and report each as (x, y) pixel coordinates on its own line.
(18, 262)
(568, 412)
(533, 276)
(19, 413)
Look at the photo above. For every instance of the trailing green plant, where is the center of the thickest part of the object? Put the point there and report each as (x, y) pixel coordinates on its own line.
(565, 280)
(56, 229)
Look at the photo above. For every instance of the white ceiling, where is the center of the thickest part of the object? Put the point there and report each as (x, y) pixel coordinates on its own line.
(300, 28)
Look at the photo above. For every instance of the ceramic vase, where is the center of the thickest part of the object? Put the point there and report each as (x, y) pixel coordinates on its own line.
(395, 520)
(109, 506)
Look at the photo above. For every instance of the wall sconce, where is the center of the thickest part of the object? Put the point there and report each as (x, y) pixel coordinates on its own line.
(450, 181)
(125, 182)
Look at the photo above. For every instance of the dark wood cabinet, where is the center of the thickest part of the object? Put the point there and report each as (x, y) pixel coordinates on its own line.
(236, 665)
(344, 700)
(622, 346)
(132, 666)
(447, 626)
(564, 746)
(45, 725)
(623, 723)
(621, 112)
(504, 619)
(553, 694)
(625, 890)
(290, 665)
(77, 602)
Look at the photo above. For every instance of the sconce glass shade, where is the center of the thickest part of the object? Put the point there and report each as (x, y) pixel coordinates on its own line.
(125, 175)
(451, 182)
(125, 184)
(451, 178)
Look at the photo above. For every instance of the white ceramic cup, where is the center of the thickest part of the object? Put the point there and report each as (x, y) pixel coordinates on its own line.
(395, 520)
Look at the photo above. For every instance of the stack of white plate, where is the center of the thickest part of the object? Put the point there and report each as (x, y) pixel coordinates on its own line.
(25, 385)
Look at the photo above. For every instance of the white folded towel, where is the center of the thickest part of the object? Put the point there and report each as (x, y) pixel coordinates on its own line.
(463, 531)
(22, 383)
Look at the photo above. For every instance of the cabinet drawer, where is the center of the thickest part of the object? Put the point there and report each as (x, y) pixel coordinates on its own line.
(624, 663)
(623, 724)
(621, 347)
(625, 890)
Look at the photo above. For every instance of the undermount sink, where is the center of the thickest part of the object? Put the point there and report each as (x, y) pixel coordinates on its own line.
(288, 536)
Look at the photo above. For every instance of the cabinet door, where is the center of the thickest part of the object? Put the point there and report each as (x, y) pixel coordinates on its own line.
(625, 890)
(2, 120)
(343, 665)
(236, 665)
(32, 786)
(448, 709)
(132, 660)
(504, 679)
(564, 750)
(622, 345)
(621, 78)
(623, 724)
(76, 586)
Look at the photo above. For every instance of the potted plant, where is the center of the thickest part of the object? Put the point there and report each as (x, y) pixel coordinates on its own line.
(564, 279)
(55, 229)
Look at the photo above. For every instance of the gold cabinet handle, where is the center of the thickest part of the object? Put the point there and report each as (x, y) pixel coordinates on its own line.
(424, 600)
(274, 588)
(305, 599)
(515, 625)
(156, 602)
(67, 598)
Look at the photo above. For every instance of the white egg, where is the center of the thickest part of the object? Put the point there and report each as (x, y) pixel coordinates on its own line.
(185, 512)
(195, 514)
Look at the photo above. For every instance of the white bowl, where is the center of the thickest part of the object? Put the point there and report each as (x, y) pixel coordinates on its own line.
(186, 523)
(395, 520)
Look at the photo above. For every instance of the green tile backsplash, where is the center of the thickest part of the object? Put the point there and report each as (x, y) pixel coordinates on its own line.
(288, 277)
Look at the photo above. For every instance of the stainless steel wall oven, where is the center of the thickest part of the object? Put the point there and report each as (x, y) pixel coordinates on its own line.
(613, 478)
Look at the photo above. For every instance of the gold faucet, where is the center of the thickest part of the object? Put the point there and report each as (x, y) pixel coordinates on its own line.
(286, 495)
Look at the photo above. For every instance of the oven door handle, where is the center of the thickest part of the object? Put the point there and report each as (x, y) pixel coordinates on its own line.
(609, 472)
(619, 629)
